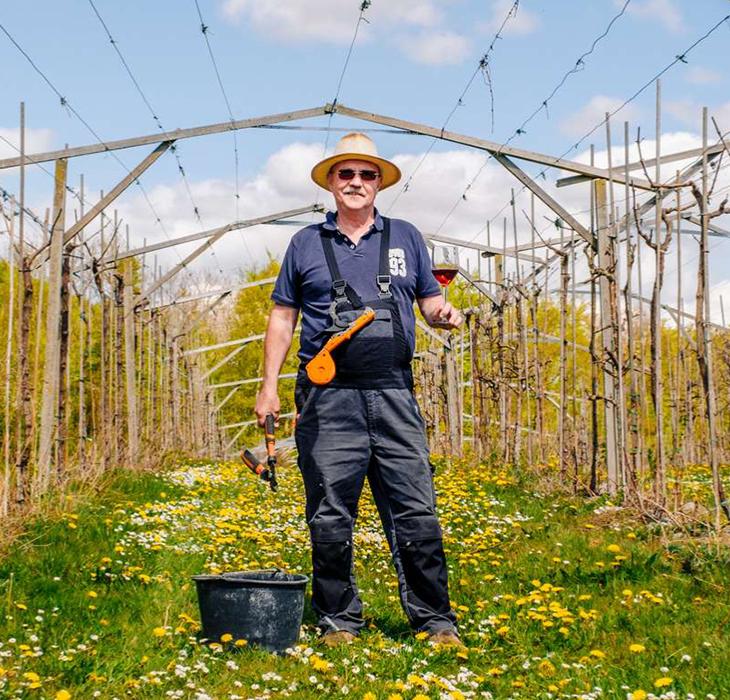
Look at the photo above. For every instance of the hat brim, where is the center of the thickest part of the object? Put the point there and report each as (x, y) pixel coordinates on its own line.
(389, 173)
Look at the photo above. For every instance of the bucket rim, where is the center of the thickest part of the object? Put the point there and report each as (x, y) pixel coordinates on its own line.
(241, 577)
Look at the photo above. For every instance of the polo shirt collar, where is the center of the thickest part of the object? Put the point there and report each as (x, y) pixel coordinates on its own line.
(330, 222)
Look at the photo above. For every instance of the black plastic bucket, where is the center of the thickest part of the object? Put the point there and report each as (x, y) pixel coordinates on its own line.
(263, 607)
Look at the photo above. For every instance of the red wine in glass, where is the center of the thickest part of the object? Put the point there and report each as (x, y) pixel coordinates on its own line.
(444, 275)
(445, 265)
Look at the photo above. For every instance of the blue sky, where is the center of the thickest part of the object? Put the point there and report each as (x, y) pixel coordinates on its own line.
(412, 60)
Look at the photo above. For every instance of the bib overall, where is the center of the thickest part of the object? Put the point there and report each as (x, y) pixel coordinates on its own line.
(366, 423)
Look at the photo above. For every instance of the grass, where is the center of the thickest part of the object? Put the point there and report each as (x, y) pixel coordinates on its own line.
(557, 597)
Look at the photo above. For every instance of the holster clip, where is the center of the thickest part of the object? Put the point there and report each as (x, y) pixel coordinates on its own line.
(337, 323)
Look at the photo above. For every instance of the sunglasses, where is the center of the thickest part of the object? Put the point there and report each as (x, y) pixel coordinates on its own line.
(365, 175)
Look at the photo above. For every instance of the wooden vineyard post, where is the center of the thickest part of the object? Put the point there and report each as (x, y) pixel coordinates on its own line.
(130, 365)
(51, 379)
(63, 353)
(660, 248)
(704, 346)
(617, 363)
(452, 410)
(8, 365)
(564, 279)
(476, 386)
(633, 427)
(606, 262)
(117, 365)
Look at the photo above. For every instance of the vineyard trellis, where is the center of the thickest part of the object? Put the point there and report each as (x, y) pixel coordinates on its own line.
(105, 368)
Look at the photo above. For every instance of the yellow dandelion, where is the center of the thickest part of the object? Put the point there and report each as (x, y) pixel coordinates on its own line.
(637, 648)
(546, 669)
(421, 696)
(226, 638)
(318, 663)
(92, 594)
(159, 632)
(31, 676)
(417, 680)
(638, 695)
(597, 653)
(613, 548)
(369, 696)
(663, 682)
(63, 695)
(395, 696)
(241, 642)
(420, 636)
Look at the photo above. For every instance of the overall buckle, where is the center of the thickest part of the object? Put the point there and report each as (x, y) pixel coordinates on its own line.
(383, 282)
(339, 287)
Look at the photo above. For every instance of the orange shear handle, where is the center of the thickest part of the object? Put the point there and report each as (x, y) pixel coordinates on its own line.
(321, 368)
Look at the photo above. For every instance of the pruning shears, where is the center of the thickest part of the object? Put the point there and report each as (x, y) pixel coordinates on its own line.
(269, 425)
(268, 472)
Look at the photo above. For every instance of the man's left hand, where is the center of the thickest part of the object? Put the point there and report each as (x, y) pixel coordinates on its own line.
(447, 317)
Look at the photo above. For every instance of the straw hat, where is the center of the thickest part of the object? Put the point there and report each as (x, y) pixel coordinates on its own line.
(356, 146)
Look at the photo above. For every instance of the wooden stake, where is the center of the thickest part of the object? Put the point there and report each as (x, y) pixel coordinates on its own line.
(51, 379)
(8, 362)
(606, 263)
(130, 368)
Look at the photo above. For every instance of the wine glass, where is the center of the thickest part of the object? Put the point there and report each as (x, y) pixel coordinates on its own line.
(445, 265)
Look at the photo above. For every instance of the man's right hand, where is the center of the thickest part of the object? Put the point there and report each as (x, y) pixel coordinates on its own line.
(267, 401)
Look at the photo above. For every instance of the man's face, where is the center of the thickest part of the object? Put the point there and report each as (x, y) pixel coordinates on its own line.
(356, 193)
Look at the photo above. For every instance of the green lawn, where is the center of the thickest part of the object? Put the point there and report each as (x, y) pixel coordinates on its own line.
(557, 597)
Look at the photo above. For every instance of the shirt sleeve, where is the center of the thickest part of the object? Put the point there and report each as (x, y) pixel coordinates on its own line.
(287, 290)
(426, 284)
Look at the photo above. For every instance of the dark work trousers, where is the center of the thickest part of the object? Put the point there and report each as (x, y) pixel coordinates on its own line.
(343, 436)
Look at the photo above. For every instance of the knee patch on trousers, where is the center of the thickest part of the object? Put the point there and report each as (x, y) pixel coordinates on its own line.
(334, 531)
(417, 528)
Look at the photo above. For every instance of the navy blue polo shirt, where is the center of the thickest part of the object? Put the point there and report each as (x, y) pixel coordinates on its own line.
(304, 281)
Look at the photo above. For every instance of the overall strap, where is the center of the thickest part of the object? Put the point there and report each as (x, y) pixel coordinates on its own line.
(343, 291)
(383, 279)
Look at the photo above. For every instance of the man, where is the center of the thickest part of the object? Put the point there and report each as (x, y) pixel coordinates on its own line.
(365, 422)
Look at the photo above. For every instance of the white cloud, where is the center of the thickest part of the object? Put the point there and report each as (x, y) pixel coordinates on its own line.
(664, 12)
(522, 22)
(35, 140)
(671, 142)
(690, 113)
(698, 75)
(436, 48)
(283, 183)
(594, 112)
(720, 302)
(722, 117)
(685, 111)
(332, 21)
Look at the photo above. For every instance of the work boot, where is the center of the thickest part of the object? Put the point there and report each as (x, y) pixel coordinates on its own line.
(446, 638)
(336, 638)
